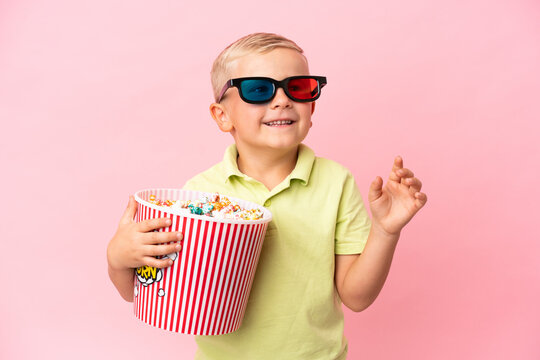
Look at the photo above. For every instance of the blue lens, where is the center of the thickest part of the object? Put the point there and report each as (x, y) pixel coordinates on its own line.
(257, 90)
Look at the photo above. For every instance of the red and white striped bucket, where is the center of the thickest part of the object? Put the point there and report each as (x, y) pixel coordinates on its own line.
(206, 289)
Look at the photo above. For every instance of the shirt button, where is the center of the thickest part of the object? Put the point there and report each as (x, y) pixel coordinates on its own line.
(267, 203)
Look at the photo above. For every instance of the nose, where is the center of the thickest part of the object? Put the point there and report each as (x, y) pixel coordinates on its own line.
(280, 100)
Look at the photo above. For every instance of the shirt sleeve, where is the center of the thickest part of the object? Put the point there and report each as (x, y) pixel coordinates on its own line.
(353, 223)
(189, 185)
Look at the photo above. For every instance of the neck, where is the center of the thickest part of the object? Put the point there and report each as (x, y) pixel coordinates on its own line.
(267, 166)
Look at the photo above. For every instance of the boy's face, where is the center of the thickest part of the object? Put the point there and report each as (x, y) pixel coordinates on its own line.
(254, 126)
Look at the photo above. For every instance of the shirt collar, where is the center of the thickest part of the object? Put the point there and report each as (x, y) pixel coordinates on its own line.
(301, 171)
(229, 162)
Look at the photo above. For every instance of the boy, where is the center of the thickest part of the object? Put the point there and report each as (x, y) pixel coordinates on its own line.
(310, 261)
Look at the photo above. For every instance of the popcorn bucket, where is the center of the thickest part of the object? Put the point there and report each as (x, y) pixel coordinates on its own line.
(206, 289)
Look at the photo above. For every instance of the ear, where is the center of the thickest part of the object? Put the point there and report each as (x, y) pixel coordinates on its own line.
(312, 111)
(219, 114)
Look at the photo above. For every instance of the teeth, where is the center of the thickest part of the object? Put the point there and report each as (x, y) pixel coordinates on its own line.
(279, 122)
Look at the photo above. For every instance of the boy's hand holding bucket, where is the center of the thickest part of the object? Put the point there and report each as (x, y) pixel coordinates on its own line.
(136, 244)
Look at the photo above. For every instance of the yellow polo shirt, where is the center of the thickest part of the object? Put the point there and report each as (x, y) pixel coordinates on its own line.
(294, 310)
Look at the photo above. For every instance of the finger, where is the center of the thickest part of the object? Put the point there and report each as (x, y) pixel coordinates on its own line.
(162, 250)
(420, 200)
(130, 211)
(375, 189)
(398, 164)
(153, 224)
(161, 237)
(404, 173)
(414, 183)
(157, 263)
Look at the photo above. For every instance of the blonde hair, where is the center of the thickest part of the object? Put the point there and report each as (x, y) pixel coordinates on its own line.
(253, 43)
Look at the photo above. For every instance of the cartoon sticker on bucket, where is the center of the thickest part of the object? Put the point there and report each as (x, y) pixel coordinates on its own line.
(147, 275)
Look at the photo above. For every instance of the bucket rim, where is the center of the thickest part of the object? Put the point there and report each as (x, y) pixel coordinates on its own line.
(267, 214)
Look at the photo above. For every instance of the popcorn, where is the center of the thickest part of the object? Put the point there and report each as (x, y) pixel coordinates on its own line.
(214, 205)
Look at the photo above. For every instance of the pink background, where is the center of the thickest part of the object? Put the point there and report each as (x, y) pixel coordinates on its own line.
(99, 99)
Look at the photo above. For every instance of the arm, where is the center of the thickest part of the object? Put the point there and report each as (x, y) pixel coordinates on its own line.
(135, 245)
(123, 281)
(360, 278)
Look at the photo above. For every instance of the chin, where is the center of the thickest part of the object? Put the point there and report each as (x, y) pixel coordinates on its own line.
(285, 146)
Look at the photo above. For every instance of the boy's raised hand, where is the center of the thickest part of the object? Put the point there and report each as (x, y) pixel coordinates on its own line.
(394, 205)
(136, 244)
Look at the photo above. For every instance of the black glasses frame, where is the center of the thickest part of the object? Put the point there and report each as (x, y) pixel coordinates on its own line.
(321, 81)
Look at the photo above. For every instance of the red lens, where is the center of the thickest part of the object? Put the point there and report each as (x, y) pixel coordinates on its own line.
(303, 89)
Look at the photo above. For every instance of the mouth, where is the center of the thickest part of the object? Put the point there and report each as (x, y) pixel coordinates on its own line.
(282, 122)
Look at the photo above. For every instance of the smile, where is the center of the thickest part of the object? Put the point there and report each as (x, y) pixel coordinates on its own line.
(279, 123)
